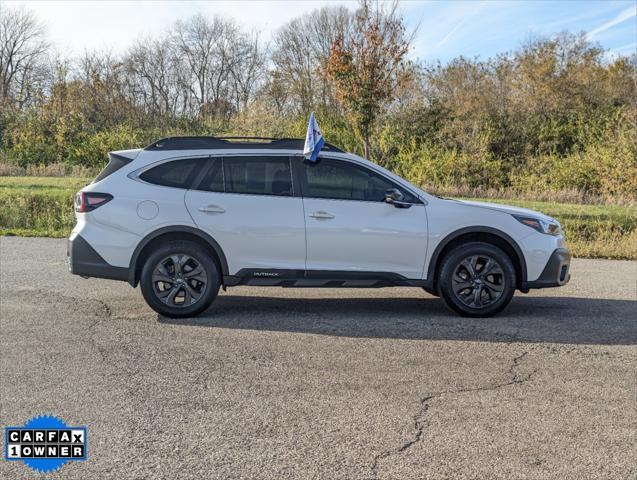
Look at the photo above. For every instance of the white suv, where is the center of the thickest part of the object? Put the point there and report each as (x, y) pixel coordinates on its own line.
(187, 215)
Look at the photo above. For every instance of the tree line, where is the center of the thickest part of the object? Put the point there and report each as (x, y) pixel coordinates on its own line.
(555, 114)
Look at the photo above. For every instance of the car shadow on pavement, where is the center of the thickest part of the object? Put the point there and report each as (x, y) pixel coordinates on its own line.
(528, 319)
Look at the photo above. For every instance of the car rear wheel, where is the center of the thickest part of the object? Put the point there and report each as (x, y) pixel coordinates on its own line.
(477, 279)
(180, 279)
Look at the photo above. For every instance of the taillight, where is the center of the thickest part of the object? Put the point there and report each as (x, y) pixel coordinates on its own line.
(88, 201)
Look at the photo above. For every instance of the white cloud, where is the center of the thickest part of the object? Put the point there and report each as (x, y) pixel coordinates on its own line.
(76, 26)
(447, 29)
(444, 21)
(446, 38)
(627, 14)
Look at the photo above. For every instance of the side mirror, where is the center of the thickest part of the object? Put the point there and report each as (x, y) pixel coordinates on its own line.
(394, 197)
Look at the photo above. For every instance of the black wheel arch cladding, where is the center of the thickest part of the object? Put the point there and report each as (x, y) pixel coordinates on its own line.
(481, 234)
(173, 233)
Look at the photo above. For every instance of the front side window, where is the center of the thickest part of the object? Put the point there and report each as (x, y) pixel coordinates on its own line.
(177, 173)
(258, 175)
(345, 181)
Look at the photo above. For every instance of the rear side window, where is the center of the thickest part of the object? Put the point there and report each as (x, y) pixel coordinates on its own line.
(258, 175)
(345, 181)
(213, 180)
(177, 174)
(115, 162)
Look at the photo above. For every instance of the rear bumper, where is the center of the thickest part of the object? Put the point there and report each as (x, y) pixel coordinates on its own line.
(86, 262)
(556, 272)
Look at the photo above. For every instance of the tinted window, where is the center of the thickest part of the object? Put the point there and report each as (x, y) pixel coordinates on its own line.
(178, 173)
(115, 162)
(258, 175)
(213, 180)
(345, 181)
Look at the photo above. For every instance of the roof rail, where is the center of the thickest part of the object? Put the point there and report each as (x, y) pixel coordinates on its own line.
(212, 143)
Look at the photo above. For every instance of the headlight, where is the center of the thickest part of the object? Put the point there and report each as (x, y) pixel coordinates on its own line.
(542, 226)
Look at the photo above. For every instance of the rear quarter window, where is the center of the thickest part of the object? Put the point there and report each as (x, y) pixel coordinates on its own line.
(176, 173)
(115, 162)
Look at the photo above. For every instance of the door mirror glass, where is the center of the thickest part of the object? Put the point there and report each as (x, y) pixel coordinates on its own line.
(395, 197)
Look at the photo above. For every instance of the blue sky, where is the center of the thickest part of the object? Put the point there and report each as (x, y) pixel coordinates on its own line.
(447, 28)
(475, 28)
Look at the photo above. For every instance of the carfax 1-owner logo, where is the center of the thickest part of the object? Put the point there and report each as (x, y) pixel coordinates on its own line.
(45, 443)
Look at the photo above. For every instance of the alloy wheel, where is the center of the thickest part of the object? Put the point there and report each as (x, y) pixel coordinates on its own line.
(179, 280)
(478, 281)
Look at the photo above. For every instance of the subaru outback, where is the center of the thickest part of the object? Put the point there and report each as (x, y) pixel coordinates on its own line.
(186, 216)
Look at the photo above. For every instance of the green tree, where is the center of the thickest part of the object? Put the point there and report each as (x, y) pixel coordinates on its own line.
(367, 63)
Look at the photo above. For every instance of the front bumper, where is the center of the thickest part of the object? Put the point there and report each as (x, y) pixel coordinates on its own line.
(86, 262)
(556, 272)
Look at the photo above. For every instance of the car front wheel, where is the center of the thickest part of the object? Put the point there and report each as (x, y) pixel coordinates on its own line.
(477, 279)
(180, 279)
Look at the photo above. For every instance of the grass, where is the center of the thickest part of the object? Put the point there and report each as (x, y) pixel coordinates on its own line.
(38, 206)
(592, 231)
(43, 183)
(43, 207)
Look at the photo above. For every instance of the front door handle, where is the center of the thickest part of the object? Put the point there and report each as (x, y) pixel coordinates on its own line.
(212, 209)
(322, 215)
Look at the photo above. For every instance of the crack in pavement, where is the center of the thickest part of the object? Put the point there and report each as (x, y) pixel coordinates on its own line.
(419, 417)
(95, 310)
(91, 307)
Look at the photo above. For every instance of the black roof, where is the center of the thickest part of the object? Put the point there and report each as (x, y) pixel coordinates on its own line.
(240, 143)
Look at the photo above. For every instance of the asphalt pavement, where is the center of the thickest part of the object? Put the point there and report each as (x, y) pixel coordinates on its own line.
(277, 383)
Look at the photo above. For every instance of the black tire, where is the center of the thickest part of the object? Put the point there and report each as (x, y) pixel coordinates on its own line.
(477, 279)
(172, 283)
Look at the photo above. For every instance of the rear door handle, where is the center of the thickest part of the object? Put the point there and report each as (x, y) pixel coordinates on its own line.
(321, 214)
(212, 209)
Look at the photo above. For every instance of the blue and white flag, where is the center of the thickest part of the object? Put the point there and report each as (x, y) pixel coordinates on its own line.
(313, 140)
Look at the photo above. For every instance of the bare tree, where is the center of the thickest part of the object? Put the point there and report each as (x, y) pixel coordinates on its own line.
(223, 65)
(248, 70)
(22, 48)
(152, 67)
(101, 76)
(195, 40)
(301, 50)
